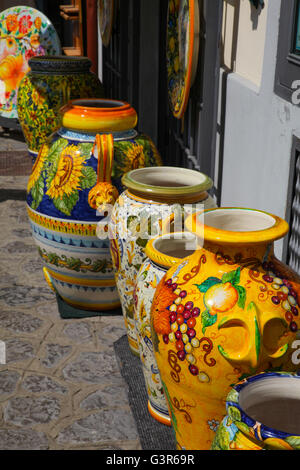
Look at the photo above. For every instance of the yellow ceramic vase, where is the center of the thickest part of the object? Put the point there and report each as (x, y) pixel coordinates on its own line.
(226, 312)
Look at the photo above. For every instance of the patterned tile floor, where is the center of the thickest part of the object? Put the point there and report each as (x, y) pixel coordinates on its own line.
(60, 387)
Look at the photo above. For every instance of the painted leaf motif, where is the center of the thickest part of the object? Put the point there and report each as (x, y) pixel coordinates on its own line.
(293, 441)
(37, 193)
(234, 413)
(204, 286)
(85, 150)
(232, 276)
(242, 296)
(90, 177)
(207, 320)
(66, 204)
(233, 396)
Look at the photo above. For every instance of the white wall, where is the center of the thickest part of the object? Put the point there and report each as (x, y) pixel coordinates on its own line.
(258, 135)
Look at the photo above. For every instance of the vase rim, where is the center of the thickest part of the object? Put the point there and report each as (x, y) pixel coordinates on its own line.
(166, 183)
(158, 248)
(247, 393)
(59, 63)
(98, 115)
(241, 225)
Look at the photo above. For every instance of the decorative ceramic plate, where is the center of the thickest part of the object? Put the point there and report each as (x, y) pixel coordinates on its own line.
(182, 52)
(106, 16)
(24, 33)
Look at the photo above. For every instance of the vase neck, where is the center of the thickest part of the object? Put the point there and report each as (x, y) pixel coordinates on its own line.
(235, 253)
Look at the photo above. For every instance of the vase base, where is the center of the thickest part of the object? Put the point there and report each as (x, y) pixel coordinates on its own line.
(161, 417)
(68, 311)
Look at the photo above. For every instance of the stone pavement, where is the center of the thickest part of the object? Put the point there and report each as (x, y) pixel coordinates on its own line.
(61, 387)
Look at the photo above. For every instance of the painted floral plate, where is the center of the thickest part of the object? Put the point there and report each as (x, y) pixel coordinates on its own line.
(106, 17)
(24, 33)
(182, 52)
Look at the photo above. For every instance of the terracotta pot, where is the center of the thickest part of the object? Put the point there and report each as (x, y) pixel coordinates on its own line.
(51, 82)
(71, 178)
(262, 413)
(241, 317)
(152, 198)
(162, 252)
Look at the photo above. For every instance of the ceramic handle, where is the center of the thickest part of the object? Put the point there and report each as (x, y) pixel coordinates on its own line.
(104, 193)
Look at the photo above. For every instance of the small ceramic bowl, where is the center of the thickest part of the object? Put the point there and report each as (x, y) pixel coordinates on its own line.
(263, 412)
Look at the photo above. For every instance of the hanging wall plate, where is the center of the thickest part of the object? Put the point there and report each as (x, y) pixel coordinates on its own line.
(183, 26)
(24, 33)
(106, 17)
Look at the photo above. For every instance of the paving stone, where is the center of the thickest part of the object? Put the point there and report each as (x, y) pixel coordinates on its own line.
(33, 266)
(29, 295)
(111, 396)
(41, 383)
(48, 309)
(17, 247)
(92, 367)
(78, 331)
(8, 382)
(103, 426)
(27, 411)
(19, 322)
(55, 353)
(17, 439)
(22, 232)
(18, 350)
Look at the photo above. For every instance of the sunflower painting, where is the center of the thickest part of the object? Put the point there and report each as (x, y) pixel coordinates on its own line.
(60, 173)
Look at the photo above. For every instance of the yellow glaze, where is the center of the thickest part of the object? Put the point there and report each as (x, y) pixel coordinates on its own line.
(236, 308)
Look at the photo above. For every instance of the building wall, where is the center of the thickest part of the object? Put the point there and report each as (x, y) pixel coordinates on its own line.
(244, 32)
(258, 135)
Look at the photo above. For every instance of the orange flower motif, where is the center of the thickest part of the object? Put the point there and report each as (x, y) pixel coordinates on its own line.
(11, 23)
(35, 41)
(38, 22)
(12, 71)
(164, 297)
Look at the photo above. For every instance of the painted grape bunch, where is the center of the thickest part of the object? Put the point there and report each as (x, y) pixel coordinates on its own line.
(285, 294)
(182, 320)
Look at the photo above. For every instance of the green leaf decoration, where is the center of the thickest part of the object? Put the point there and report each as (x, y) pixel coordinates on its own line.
(142, 242)
(222, 439)
(223, 352)
(232, 276)
(293, 441)
(242, 296)
(66, 204)
(233, 396)
(234, 413)
(37, 193)
(90, 177)
(173, 416)
(204, 286)
(242, 427)
(85, 149)
(207, 320)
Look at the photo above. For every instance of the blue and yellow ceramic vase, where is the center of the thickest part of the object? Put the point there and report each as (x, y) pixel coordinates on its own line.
(76, 170)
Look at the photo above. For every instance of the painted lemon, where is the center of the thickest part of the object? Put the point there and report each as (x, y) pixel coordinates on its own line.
(277, 443)
(220, 298)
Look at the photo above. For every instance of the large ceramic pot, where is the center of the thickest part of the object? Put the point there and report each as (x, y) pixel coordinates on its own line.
(70, 179)
(51, 82)
(162, 252)
(262, 413)
(241, 309)
(152, 196)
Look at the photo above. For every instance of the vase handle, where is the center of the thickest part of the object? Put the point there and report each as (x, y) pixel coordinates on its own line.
(104, 193)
